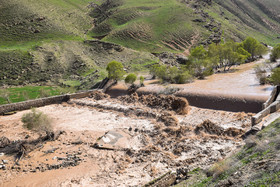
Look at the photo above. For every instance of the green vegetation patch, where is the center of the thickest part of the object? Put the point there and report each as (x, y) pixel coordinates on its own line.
(19, 94)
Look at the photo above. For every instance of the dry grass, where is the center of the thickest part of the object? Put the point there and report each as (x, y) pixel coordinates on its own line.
(220, 167)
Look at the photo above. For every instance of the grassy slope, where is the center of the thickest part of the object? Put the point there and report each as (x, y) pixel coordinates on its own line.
(27, 22)
(18, 94)
(166, 25)
(257, 18)
(148, 25)
(43, 40)
(256, 164)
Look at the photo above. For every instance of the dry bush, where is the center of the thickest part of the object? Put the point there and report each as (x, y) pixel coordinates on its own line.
(219, 168)
(37, 121)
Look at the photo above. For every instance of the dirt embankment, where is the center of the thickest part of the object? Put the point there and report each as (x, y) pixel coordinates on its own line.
(126, 141)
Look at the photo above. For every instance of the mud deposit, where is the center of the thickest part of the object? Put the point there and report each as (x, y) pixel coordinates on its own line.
(116, 142)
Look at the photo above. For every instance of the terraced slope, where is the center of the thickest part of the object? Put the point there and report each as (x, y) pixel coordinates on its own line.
(25, 22)
(258, 18)
(174, 25)
(44, 41)
(155, 26)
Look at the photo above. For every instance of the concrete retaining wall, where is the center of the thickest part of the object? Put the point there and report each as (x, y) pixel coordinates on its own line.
(41, 102)
(270, 106)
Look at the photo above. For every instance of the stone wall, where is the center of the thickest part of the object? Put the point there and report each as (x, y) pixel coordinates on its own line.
(41, 102)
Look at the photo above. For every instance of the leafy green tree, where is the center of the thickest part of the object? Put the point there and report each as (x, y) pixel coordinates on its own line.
(261, 50)
(254, 47)
(233, 54)
(115, 70)
(275, 53)
(214, 54)
(131, 78)
(200, 61)
(275, 76)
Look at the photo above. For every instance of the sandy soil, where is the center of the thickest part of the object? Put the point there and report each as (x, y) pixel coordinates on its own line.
(147, 149)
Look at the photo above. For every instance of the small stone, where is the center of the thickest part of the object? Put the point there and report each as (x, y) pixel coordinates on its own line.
(5, 161)
(2, 154)
(61, 158)
(54, 158)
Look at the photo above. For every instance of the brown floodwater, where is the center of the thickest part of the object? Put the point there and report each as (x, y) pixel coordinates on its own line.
(240, 81)
(236, 90)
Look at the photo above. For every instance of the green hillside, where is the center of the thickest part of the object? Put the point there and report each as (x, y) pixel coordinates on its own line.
(256, 18)
(172, 25)
(154, 26)
(44, 41)
(27, 22)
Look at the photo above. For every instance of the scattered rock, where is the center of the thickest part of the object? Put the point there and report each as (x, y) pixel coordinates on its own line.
(5, 161)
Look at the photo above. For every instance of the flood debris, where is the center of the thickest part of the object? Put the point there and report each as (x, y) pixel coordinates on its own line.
(164, 102)
(124, 142)
(99, 95)
(211, 128)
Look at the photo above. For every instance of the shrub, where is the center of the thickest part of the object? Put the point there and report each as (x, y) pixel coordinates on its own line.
(275, 54)
(44, 93)
(115, 70)
(37, 121)
(131, 78)
(183, 78)
(275, 76)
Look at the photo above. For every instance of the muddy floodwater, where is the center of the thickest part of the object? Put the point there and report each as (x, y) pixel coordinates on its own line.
(117, 142)
(241, 80)
(236, 90)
